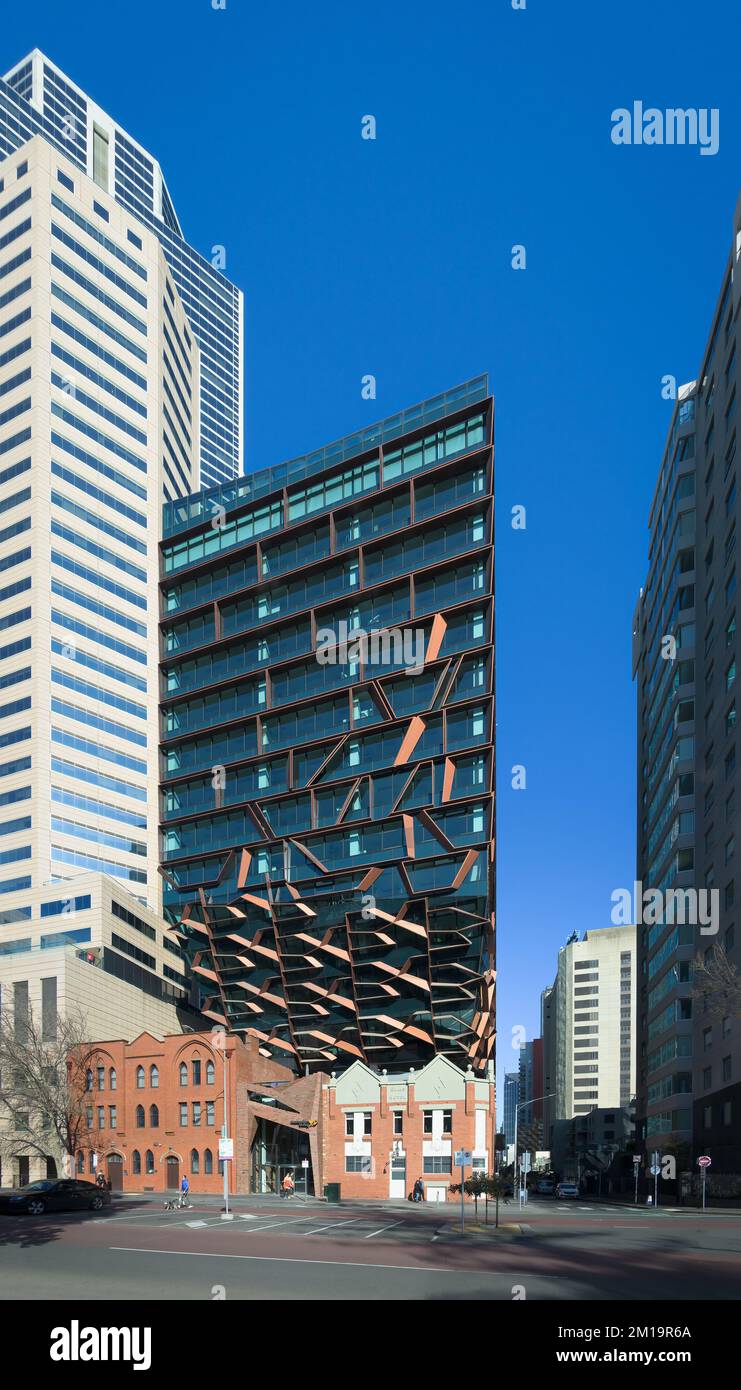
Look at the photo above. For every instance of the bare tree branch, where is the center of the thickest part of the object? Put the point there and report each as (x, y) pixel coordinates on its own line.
(45, 1085)
(717, 984)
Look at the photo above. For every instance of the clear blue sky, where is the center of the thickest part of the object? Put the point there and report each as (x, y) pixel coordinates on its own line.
(393, 257)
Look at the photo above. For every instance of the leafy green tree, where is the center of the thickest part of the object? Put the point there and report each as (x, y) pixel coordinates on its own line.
(488, 1186)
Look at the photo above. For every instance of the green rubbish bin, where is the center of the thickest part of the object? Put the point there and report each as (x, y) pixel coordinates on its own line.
(332, 1191)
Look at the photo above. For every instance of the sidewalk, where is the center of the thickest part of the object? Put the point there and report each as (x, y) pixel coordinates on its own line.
(625, 1199)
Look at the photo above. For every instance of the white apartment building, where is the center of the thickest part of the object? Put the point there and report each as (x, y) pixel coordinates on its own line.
(99, 424)
(593, 1033)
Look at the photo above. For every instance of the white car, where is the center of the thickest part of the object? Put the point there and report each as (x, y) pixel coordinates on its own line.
(567, 1190)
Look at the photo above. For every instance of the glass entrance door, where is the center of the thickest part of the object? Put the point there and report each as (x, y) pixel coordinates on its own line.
(277, 1150)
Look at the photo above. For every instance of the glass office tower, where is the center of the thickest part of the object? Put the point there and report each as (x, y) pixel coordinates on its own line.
(327, 743)
(666, 789)
(37, 99)
(689, 1039)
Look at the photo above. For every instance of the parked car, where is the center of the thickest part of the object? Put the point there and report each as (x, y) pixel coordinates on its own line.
(54, 1194)
(567, 1190)
(545, 1187)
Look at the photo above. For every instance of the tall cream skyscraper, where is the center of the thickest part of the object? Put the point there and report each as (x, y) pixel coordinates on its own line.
(99, 425)
(592, 1011)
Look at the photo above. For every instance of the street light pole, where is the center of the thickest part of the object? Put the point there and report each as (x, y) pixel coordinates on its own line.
(520, 1107)
(225, 1135)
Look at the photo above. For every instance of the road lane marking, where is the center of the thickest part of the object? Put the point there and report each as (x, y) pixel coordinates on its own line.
(292, 1221)
(180, 1225)
(290, 1260)
(333, 1226)
(383, 1228)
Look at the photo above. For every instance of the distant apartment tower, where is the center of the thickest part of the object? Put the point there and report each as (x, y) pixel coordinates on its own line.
(327, 796)
(689, 1049)
(593, 1032)
(37, 99)
(531, 1082)
(511, 1101)
(548, 1001)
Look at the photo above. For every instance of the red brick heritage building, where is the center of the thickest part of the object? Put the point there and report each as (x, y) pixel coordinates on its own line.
(155, 1111)
(382, 1132)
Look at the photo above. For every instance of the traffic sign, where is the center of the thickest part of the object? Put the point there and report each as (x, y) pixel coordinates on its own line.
(704, 1161)
(636, 1160)
(304, 1162)
(655, 1169)
(226, 1149)
(463, 1158)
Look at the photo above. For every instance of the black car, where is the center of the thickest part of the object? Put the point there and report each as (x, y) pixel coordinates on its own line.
(54, 1194)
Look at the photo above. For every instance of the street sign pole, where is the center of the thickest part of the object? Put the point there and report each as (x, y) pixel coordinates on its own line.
(524, 1170)
(636, 1171)
(225, 1137)
(461, 1158)
(655, 1170)
(704, 1162)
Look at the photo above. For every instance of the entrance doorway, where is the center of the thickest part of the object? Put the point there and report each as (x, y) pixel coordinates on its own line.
(276, 1150)
(51, 1168)
(398, 1176)
(115, 1172)
(172, 1171)
(23, 1171)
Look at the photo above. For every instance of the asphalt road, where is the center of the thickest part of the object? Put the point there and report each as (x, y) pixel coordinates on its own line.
(285, 1250)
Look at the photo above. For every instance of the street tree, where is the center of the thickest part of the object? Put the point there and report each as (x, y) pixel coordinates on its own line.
(46, 1070)
(496, 1190)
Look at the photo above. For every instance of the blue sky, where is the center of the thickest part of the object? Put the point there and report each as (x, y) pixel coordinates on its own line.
(393, 257)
